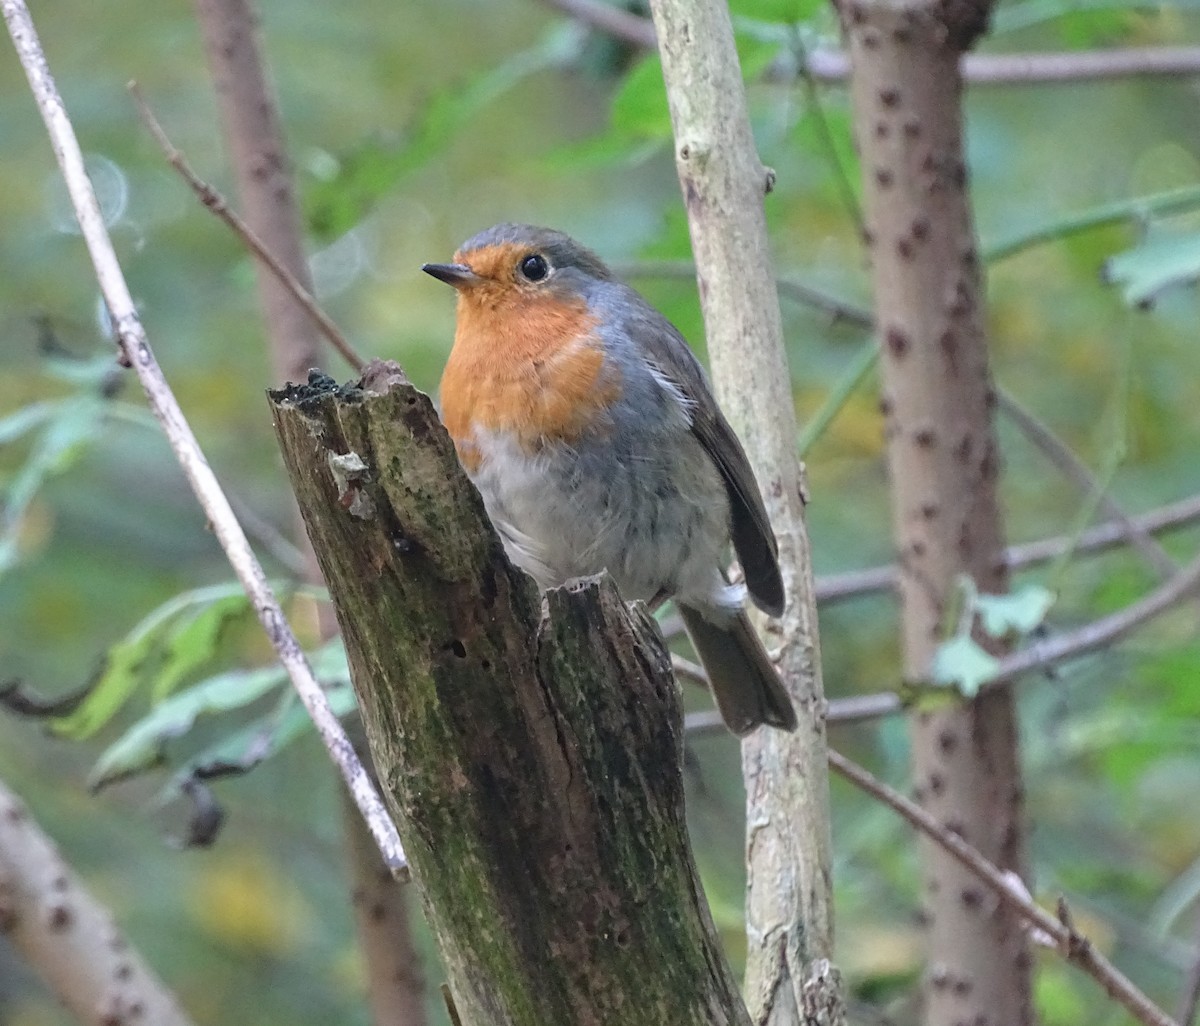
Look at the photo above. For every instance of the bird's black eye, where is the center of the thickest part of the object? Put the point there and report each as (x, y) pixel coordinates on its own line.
(534, 267)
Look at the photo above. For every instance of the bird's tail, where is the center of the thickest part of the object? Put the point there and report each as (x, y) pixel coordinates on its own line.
(744, 683)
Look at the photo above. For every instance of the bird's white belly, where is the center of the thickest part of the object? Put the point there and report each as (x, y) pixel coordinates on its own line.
(657, 525)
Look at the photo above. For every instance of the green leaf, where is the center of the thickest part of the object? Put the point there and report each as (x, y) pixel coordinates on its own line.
(74, 427)
(1018, 613)
(961, 664)
(191, 642)
(335, 203)
(639, 108)
(140, 747)
(1146, 271)
(24, 420)
(172, 638)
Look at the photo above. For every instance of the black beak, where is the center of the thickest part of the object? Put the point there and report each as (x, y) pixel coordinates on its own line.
(457, 275)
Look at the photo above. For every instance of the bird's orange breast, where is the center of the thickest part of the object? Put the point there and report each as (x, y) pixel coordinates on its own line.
(530, 365)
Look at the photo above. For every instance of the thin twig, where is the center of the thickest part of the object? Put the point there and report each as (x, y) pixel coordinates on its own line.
(839, 587)
(269, 536)
(808, 295)
(1189, 997)
(135, 348)
(1034, 429)
(1088, 638)
(1073, 468)
(841, 711)
(1140, 207)
(1072, 945)
(1103, 632)
(832, 66)
(216, 203)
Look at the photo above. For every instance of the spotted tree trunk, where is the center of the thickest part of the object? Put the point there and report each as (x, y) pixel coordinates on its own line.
(937, 401)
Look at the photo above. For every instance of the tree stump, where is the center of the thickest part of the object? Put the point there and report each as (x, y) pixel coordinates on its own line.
(529, 746)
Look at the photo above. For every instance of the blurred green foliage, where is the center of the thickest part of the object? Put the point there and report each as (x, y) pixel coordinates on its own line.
(410, 132)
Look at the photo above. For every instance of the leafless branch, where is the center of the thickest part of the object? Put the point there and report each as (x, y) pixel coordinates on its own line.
(1108, 535)
(832, 66)
(1072, 945)
(253, 131)
(216, 203)
(855, 709)
(137, 352)
(799, 291)
(1189, 997)
(1103, 632)
(614, 21)
(67, 936)
(1071, 467)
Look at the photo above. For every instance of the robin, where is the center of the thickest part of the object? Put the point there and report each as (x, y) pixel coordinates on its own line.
(591, 431)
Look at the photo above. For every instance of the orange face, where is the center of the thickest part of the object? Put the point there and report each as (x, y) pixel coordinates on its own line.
(526, 358)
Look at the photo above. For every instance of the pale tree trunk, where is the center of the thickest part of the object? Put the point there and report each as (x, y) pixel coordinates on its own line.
(789, 916)
(68, 938)
(942, 456)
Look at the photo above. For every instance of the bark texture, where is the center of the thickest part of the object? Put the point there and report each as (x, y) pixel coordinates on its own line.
(67, 937)
(529, 748)
(395, 980)
(937, 402)
(789, 918)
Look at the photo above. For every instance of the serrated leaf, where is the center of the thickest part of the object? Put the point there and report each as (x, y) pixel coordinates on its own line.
(1018, 613)
(140, 747)
(1148, 270)
(961, 664)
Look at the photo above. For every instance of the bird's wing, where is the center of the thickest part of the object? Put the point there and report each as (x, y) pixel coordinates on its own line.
(753, 539)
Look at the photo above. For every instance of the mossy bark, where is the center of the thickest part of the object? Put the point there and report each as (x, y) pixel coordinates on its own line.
(529, 747)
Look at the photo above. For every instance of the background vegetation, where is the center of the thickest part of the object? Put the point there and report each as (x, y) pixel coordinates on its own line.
(412, 127)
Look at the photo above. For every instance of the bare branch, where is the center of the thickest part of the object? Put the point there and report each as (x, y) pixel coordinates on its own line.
(854, 583)
(793, 288)
(1103, 632)
(1189, 997)
(855, 709)
(253, 134)
(67, 936)
(1074, 469)
(614, 21)
(832, 66)
(137, 352)
(1072, 945)
(217, 204)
